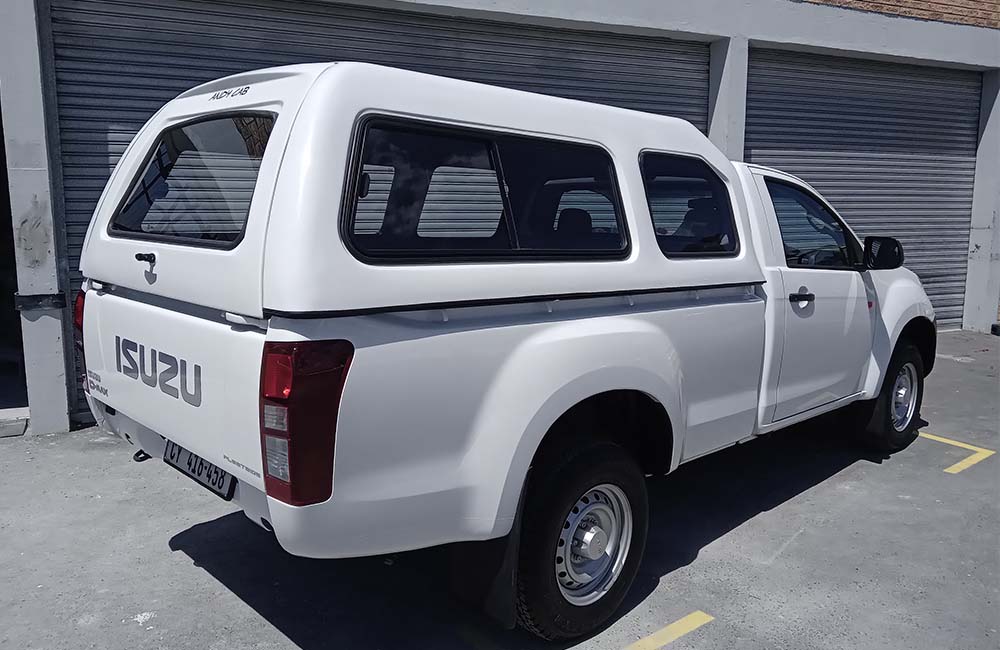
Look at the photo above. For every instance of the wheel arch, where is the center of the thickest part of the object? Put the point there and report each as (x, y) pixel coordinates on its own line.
(902, 310)
(650, 403)
(643, 428)
(922, 333)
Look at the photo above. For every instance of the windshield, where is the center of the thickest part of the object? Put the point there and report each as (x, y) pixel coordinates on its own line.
(198, 182)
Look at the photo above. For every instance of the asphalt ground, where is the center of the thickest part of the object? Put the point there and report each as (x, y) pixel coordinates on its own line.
(796, 540)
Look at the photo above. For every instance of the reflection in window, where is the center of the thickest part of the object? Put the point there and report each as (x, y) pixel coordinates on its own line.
(199, 181)
(461, 202)
(811, 235)
(373, 199)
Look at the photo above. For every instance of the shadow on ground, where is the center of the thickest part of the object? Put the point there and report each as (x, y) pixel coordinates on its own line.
(404, 600)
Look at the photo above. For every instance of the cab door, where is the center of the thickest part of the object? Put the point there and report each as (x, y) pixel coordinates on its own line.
(827, 320)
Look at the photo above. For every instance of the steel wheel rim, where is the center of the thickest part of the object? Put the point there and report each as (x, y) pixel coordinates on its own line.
(593, 544)
(904, 397)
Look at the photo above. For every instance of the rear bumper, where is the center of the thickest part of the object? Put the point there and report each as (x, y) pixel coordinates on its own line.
(348, 525)
(250, 499)
(342, 527)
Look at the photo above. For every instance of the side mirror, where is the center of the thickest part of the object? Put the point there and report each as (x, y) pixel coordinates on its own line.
(883, 253)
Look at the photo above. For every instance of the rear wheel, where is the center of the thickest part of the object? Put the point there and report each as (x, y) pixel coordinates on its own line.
(891, 420)
(585, 523)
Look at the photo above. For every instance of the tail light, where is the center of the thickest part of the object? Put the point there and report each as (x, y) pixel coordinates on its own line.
(78, 335)
(78, 312)
(300, 388)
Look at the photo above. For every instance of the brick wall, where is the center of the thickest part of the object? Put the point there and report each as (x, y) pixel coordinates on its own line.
(982, 13)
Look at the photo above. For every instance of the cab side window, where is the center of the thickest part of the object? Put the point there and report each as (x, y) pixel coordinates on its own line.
(813, 236)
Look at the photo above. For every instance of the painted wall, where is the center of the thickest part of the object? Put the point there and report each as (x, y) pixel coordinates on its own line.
(37, 236)
(787, 23)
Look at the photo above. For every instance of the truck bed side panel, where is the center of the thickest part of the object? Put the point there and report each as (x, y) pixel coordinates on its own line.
(443, 409)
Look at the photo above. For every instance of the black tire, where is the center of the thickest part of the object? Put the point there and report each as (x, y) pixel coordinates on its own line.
(874, 418)
(553, 491)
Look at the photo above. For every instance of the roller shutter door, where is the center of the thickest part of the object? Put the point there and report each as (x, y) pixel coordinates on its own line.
(892, 146)
(118, 61)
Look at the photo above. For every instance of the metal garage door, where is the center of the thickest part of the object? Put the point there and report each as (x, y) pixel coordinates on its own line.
(893, 147)
(118, 61)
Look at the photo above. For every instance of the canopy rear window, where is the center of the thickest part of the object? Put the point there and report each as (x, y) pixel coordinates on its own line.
(197, 184)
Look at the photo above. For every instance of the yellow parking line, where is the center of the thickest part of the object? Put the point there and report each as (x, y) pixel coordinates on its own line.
(981, 454)
(672, 632)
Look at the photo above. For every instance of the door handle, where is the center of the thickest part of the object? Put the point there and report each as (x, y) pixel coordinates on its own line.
(801, 297)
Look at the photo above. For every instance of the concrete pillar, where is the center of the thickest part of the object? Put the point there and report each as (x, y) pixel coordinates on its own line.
(727, 95)
(36, 235)
(982, 286)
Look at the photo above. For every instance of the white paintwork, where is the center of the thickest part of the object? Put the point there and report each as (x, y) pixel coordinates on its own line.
(444, 408)
(218, 429)
(896, 295)
(898, 299)
(816, 373)
(424, 441)
(817, 370)
(228, 280)
(321, 137)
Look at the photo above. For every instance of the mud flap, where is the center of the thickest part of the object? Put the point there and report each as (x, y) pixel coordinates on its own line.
(485, 573)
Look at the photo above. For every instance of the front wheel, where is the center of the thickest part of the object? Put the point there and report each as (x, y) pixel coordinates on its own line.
(585, 523)
(891, 420)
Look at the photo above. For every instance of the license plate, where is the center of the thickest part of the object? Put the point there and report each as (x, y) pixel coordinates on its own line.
(196, 467)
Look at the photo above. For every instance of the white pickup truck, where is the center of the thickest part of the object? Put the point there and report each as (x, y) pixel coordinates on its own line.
(381, 310)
